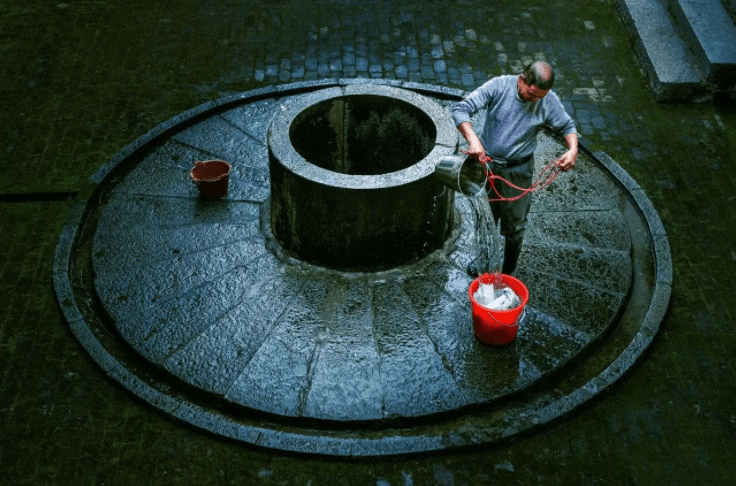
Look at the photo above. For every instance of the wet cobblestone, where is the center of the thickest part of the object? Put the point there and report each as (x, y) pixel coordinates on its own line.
(80, 80)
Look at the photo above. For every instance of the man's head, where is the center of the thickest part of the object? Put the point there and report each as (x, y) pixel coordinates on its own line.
(536, 81)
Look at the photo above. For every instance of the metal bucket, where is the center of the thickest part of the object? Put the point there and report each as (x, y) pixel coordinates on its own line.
(462, 173)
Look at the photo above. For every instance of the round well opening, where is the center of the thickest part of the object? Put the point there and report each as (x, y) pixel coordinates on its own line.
(363, 135)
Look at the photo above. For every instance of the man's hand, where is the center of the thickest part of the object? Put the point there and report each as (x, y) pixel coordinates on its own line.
(567, 160)
(475, 148)
(479, 152)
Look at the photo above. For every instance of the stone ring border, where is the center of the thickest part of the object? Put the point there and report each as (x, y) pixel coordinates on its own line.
(483, 428)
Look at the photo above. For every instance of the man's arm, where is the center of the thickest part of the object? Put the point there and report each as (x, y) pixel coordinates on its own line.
(567, 160)
(475, 147)
(465, 109)
(558, 120)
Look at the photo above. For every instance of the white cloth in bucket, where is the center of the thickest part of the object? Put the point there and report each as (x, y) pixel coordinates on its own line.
(503, 298)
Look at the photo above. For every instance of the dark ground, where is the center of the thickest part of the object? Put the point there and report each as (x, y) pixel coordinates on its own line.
(80, 80)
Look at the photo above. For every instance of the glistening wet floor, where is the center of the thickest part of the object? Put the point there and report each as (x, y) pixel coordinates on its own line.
(201, 290)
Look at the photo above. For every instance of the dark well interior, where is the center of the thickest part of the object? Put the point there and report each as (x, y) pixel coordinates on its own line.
(363, 135)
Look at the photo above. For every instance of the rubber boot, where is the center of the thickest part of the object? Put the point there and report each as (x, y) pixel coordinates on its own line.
(476, 267)
(511, 254)
(472, 269)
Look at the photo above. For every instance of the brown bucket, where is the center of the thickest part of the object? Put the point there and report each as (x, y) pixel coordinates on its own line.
(211, 177)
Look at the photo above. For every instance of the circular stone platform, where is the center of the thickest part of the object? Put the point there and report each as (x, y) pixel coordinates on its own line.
(193, 306)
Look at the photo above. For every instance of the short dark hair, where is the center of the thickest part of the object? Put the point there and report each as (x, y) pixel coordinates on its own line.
(539, 74)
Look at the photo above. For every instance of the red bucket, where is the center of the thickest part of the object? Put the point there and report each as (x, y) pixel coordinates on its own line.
(211, 177)
(497, 327)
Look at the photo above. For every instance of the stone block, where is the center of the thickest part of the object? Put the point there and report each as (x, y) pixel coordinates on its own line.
(662, 53)
(711, 35)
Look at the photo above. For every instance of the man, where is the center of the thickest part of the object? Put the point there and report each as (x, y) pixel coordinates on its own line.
(517, 108)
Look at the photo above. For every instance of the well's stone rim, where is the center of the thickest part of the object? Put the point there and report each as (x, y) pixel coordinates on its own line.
(279, 143)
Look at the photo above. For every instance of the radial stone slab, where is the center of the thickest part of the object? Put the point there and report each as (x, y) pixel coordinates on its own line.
(196, 306)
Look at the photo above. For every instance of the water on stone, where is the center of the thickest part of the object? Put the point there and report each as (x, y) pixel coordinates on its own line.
(485, 229)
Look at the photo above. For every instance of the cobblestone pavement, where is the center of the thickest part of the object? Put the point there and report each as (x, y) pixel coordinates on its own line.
(81, 79)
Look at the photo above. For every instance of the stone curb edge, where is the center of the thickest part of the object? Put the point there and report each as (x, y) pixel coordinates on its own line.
(344, 443)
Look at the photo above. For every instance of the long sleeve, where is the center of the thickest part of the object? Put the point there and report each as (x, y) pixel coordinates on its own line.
(557, 118)
(477, 100)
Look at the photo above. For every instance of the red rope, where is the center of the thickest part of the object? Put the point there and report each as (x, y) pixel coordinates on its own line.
(546, 176)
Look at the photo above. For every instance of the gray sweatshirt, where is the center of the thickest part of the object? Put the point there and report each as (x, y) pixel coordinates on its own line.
(512, 124)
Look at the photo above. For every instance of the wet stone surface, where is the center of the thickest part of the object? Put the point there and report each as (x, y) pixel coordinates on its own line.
(198, 288)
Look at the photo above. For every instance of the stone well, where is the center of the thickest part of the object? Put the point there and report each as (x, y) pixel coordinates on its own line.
(352, 184)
